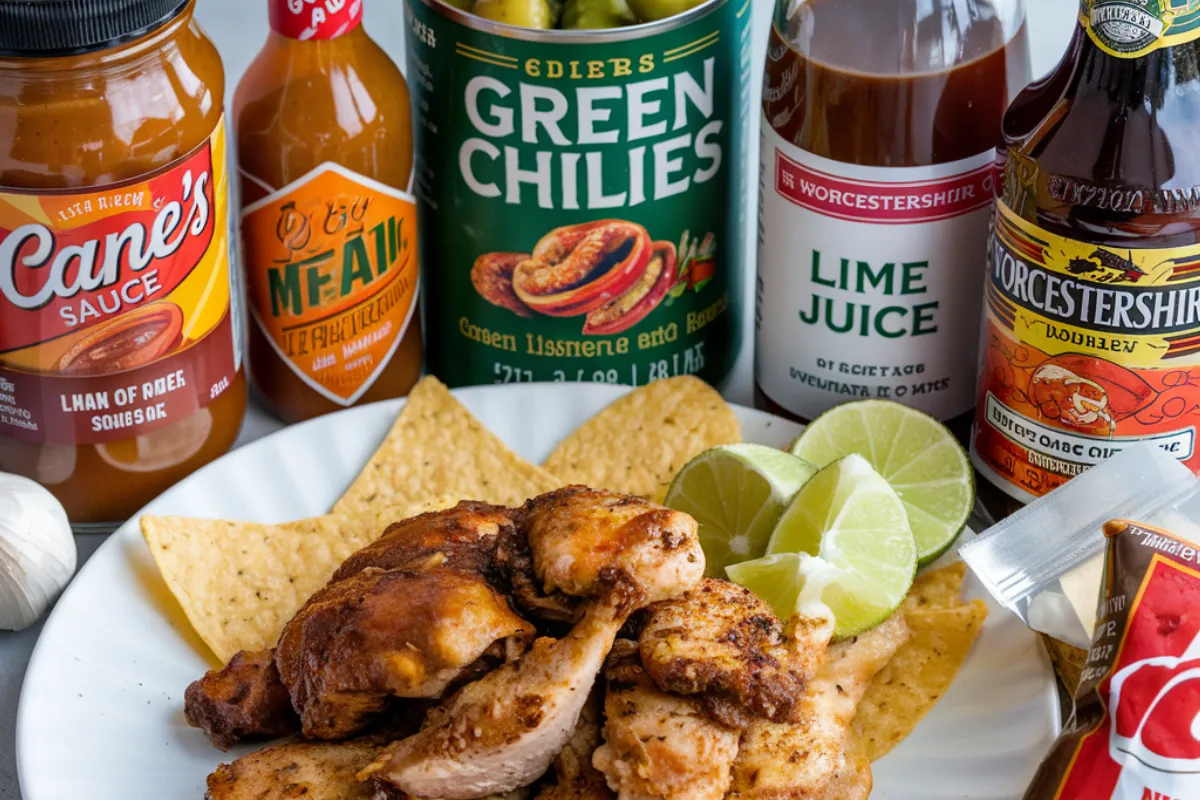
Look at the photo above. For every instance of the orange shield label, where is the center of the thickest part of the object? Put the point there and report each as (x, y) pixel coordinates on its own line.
(331, 273)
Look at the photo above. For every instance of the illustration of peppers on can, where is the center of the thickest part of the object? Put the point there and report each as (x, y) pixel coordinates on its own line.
(609, 271)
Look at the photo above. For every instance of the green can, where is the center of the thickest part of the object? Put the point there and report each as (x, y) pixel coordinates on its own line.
(581, 197)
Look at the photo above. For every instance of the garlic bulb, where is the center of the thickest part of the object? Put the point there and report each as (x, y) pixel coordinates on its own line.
(37, 551)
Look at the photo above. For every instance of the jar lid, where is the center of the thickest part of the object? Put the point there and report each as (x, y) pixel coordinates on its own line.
(60, 27)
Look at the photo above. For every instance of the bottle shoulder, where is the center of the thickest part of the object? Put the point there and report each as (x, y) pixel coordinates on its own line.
(304, 103)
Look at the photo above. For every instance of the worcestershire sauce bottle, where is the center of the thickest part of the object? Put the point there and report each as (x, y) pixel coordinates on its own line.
(1091, 337)
(880, 123)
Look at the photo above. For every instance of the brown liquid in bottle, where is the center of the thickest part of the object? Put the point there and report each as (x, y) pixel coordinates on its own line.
(1102, 152)
(318, 341)
(863, 93)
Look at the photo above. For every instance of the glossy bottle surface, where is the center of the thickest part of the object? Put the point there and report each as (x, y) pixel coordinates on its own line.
(884, 94)
(79, 135)
(1098, 202)
(301, 107)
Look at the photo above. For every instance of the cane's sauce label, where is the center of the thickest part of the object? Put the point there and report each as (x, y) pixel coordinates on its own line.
(115, 314)
(331, 272)
(1133, 734)
(1086, 350)
(1134, 28)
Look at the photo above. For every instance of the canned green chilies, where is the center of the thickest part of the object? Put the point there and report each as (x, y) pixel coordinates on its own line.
(581, 201)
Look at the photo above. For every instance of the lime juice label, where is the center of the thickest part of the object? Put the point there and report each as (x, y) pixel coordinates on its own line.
(580, 195)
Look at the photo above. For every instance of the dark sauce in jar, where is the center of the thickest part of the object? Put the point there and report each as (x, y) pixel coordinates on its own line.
(889, 85)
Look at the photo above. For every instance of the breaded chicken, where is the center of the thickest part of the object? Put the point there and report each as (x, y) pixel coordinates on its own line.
(572, 776)
(719, 641)
(660, 746)
(798, 760)
(504, 730)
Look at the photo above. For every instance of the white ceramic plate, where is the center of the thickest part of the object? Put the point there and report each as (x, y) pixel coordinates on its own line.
(101, 712)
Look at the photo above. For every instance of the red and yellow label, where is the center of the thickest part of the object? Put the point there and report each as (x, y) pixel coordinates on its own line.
(1086, 350)
(115, 303)
(331, 272)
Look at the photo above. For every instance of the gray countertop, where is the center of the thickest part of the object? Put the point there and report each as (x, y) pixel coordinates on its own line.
(238, 27)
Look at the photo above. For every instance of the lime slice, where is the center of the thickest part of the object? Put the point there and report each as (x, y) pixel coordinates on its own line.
(850, 517)
(790, 583)
(917, 455)
(737, 493)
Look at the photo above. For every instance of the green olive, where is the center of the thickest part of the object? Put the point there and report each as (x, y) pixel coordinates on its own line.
(597, 14)
(464, 5)
(661, 9)
(522, 13)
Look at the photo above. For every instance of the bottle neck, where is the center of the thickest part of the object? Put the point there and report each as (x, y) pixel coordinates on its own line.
(320, 20)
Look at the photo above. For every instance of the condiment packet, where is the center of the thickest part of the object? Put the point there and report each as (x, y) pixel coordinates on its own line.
(1134, 733)
(1044, 563)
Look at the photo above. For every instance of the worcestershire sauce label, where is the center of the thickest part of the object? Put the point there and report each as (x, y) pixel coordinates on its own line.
(1086, 350)
(1133, 28)
(580, 196)
(1133, 734)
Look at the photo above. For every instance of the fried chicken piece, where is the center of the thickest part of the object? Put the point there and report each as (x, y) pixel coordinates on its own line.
(463, 538)
(243, 700)
(502, 731)
(514, 560)
(572, 776)
(721, 642)
(293, 770)
(798, 760)
(316, 770)
(584, 540)
(660, 746)
(381, 634)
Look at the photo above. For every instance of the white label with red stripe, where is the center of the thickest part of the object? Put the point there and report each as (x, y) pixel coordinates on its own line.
(870, 280)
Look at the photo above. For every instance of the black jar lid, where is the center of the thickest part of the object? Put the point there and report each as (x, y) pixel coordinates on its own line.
(41, 28)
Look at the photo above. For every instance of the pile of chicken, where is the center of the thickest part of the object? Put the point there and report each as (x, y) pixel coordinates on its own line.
(570, 648)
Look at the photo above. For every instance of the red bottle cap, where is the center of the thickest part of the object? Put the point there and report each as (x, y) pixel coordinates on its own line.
(315, 19)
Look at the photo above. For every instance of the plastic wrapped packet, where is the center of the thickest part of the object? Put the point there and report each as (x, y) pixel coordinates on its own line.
(1135, 730)
(1134, 733)
(1044, 563)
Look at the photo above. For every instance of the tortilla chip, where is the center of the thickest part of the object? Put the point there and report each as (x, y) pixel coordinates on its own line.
(240, 582)
(437, 448)
(919, 675)
(941, 588)
(638, 443)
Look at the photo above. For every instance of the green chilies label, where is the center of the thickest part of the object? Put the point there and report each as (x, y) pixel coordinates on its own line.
(581, 197)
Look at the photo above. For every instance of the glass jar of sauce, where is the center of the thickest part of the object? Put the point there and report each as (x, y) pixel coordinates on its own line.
(880, 122)
(120, 367)
(329, 240)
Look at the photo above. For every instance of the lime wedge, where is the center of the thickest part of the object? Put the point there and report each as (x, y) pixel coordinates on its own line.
(737, 494)
(850, 518)
(917, 455)
(790, 583)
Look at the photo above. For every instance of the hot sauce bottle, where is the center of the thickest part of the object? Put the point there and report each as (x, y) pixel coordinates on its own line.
(880, 120)
(325, 154)
(120, 357)
(1091, 340)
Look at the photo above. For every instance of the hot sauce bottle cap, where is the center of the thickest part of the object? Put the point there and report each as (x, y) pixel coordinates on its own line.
(44, 28)
(314, 19)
